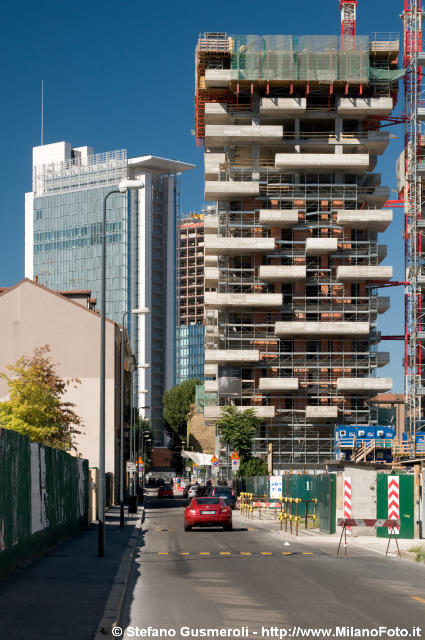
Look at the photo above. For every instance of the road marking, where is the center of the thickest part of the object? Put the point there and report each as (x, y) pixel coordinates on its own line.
(245, 553)
(171, 529)
(307, 553)
(266, 553)
(184, 553)
(163, 553)
(225, 553)
(286, 553)
(251, 529)
(204, 553)
(418, 599)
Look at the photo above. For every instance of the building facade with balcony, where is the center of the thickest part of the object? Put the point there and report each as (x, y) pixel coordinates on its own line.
(290, 128)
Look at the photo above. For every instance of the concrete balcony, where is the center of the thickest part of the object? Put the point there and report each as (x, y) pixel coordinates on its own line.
(321, 413)
(211, 275)
(211, 224)
(216, 113)
(282, 106)
(360, 107)
(212, 163)
(383, 304)
(269, 385)
(299, 328)
(382, 358)
(281, 273)
(222, 135)
(352, 162)
(214, 412)
(364, 385)
(217, 245)
(244, 300)
(211, 386)
(282, 218)
(217, 78)
(228, 190)
(370, 219)
(236, 356)
(320, 246)
(358, 273)
(376, 142)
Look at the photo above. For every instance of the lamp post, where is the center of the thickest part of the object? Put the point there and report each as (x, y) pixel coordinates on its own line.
(123, 187)
(142, 311)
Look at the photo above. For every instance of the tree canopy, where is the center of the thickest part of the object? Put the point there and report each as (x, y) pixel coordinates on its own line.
(36, 407)
(176, 406)
(253, 467)
(237, 429)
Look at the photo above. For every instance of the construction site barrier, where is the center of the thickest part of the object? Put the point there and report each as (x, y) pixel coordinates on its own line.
(283, 509)
(368, 522)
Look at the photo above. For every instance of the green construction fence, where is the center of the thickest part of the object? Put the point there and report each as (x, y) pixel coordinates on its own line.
(43, 498)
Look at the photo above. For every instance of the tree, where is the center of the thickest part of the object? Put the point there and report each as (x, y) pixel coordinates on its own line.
(253, 467)
(36, 407)
(238, 428)
(176, 407)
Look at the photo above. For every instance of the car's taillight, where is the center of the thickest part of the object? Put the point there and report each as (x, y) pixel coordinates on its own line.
(193, 511)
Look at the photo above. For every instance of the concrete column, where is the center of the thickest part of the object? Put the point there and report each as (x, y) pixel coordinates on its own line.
(297, 134)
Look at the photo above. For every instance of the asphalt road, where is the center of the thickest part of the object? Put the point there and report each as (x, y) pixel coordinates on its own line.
(248, 579)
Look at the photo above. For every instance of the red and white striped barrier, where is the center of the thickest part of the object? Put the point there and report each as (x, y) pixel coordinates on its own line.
(368, 522)
(394, 500)
(347, 499)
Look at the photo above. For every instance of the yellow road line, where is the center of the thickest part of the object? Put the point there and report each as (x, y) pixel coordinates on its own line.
(307, 553)
(163, 553)
(225, 553)
(171, 529)
(184, 553)
(286, 553)
(418, 599)
(266, 553)
(204, 553)
(251, 529)
(245, 553)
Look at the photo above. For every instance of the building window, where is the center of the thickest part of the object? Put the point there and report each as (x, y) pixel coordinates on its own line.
(38, 214)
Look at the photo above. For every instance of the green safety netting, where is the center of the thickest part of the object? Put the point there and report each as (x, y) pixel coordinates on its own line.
(391, 75)
(309, 58)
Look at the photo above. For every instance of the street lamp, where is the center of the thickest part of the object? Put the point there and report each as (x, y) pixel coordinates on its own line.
(123, 187)
(141, 311)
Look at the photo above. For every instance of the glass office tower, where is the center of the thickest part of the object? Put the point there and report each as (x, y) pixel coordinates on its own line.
(63, 245)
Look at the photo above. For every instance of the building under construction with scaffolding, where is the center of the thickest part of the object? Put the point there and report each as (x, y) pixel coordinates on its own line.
(291, 131)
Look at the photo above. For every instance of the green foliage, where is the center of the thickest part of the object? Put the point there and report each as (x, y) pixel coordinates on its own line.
(35, 407)
(253, 467)
(176, 407)
(419, 551)
(237, 429)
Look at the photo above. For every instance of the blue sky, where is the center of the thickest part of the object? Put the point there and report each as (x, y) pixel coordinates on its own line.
(120, 74)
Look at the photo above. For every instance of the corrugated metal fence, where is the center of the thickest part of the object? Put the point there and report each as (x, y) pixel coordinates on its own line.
(43, 497)
(306, 487)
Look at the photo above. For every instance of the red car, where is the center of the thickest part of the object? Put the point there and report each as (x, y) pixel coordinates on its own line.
(211, 512)
(165, 492)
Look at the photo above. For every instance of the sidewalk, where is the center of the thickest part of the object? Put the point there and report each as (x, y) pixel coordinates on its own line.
(314, 537)
(63, 594)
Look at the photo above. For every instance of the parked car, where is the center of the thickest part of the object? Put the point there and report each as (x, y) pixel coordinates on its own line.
(192, 491)
(165, 491)
(186, 490)
(226, 493)
(208, 512)
(201, 490)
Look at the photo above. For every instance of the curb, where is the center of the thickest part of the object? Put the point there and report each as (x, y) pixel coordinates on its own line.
(115, 602)
(410, 555)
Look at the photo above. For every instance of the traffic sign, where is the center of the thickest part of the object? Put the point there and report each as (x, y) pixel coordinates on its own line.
(235, 456)
(131, 466)
(214, 461)
(236, 463)
(140, 460)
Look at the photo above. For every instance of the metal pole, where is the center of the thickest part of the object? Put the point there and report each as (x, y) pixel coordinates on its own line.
(122, 521)
(101, 491)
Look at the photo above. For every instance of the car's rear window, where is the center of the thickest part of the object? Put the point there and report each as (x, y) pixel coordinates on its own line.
(208, 500)
(222, 491)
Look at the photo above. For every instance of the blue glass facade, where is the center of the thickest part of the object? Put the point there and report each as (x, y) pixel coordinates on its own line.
(190, 352)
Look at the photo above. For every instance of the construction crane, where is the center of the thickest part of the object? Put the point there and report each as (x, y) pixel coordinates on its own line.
(348, 18)
(413, 194)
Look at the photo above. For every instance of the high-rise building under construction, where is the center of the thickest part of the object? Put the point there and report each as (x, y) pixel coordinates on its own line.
(291, 127)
